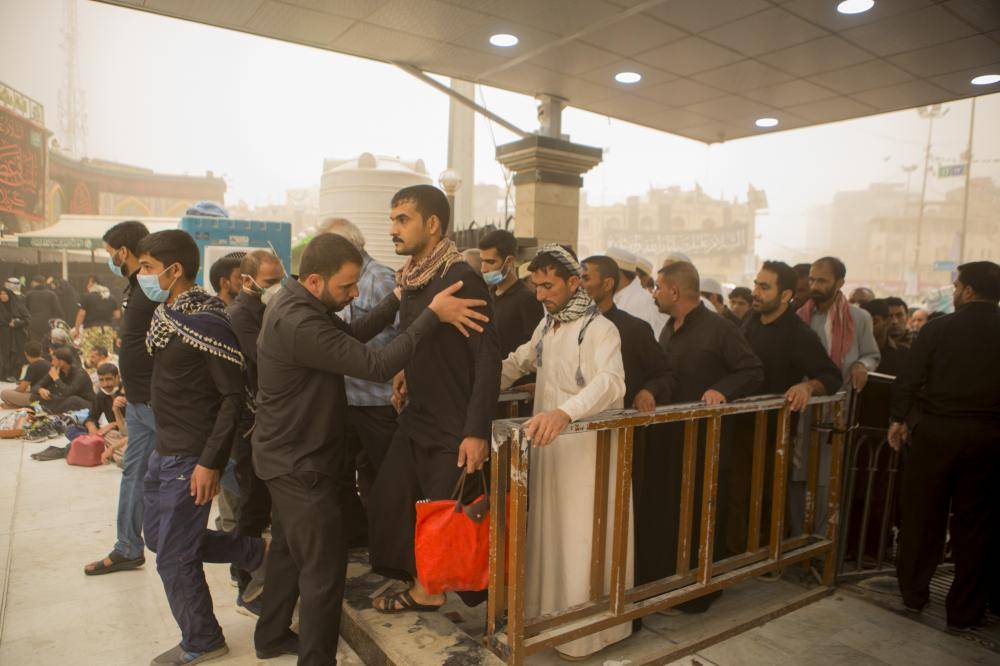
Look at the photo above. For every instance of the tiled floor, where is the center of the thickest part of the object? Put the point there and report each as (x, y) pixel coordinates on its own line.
(54, 518)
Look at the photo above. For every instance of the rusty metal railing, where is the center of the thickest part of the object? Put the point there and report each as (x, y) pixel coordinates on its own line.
(868, 512)
(513, 636)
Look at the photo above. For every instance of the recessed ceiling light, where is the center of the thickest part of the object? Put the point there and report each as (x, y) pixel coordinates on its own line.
(855, 6)
(628, 77)
(504, 40)
(767, 122)
(986, 79)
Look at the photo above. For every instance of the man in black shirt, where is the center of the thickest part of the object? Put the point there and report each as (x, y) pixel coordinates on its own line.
(648, 378)
(893, 353)
(453, 382)
(93, 319)
(261, 271)
(225, 278)
(946, 402)
(34, 371)
(198, 398)
(43, 304)
(515, 306)
(796, 365)
(121, 243)
(714, 364)
(299, 443)
(67, 386)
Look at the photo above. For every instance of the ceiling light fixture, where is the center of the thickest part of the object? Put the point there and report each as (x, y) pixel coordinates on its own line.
(767, 122)
(628, 77)
(986, 80)
(855, 6)
(503, 40)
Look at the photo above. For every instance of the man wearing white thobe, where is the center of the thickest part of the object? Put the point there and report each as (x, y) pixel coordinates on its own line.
(631, 297)
(576, 354)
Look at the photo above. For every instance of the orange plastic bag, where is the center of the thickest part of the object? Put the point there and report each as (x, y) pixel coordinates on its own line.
(452, 543)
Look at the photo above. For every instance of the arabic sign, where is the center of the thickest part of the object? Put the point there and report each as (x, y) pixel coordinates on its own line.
(22, 167)
(951, 171)
(59, 242)
(20, 104)
(726, 240)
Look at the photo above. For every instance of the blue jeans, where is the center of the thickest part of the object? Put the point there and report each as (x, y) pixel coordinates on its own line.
(177, 531)
(141, 442)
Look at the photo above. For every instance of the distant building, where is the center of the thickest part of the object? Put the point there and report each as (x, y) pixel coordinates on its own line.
(890, 263)
(100, 187)
(718, 235)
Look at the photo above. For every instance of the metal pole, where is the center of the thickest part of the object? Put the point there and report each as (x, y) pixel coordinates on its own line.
(968, 176)
(923, 194)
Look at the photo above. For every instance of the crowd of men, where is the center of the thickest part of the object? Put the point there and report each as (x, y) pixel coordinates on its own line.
(340, 397)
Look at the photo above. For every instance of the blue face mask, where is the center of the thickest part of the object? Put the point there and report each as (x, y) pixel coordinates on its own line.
(115, 268)
(493, 278)
(150, 285)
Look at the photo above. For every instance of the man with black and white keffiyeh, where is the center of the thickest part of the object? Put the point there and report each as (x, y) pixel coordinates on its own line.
(576, 354)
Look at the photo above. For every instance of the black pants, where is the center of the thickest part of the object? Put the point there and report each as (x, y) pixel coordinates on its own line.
(70, 403)
(954, 461)
(253, 514)
(369, 434)
(657, 507)
(413, 470)
(307, 560)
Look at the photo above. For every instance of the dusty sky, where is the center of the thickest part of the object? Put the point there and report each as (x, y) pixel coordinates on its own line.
(186, 98)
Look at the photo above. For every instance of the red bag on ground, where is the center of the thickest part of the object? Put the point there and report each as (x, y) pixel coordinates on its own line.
(452, 543)
(86, 451)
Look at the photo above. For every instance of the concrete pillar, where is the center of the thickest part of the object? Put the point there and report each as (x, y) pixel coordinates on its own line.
(547, 180)
(462, 152)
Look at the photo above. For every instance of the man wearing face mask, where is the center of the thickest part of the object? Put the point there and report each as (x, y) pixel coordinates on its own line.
(304, 351)
(121, 242)
(198, 396)
(516, 310)
(262, 274)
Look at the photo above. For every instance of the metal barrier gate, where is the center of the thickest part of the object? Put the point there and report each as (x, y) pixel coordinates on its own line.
(513, 637)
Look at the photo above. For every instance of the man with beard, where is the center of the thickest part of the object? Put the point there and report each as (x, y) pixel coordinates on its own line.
(448, 396)
(844, 329)
(577, 356)
(299, 443)
(899, 314)
(946, 403)
(225, 278)
(714, 364)
(795, 365)
(846, 333)
(892, 354)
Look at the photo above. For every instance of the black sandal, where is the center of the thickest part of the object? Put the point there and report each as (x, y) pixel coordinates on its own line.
(405, 602)
(118, 563)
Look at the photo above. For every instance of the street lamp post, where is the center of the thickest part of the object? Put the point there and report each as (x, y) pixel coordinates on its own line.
(450, 182)
(929, 112)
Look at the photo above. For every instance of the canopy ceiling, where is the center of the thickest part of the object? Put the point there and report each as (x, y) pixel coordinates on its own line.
(709, 68)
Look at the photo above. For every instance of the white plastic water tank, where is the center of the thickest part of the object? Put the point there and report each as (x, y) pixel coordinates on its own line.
(360, 189)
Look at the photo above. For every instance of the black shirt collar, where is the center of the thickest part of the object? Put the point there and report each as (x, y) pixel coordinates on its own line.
(692, 317)
(512, 289)
(298, 291)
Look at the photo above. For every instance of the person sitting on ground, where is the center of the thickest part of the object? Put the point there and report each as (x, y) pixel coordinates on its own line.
(96, 357)
(66, 387)
(102, 406)
(33, 372)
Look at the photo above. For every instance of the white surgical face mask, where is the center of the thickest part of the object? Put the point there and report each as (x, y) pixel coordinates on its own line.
(107, 392)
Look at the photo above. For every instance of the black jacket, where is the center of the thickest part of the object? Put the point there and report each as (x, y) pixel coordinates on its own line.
(43, 304)
(645, 362)
(246, 314)
(76, 382)
(791, 352)
(303, 353)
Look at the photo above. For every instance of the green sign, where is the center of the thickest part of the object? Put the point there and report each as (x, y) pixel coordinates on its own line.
(951, 171)
(59, 243)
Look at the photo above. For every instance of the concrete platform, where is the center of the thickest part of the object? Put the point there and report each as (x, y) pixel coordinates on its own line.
(54, 518)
